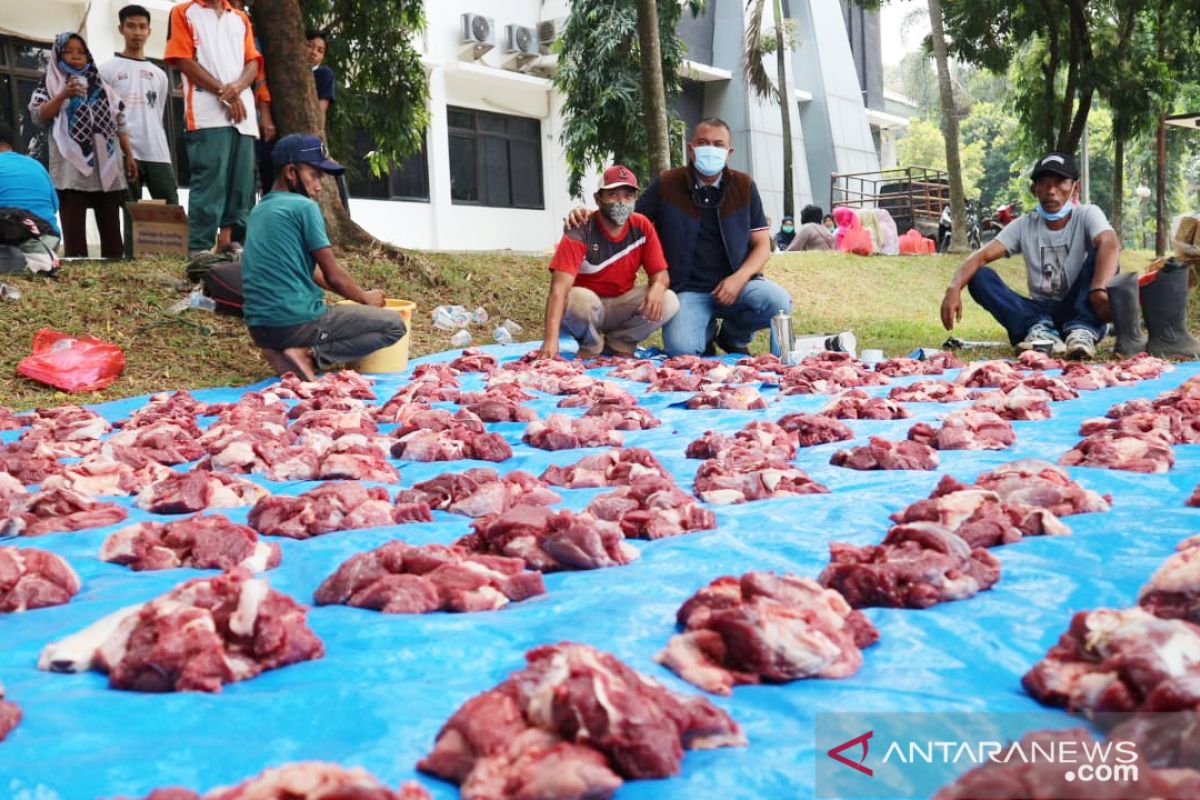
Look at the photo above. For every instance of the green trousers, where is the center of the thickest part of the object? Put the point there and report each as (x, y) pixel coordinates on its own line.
(222, 186)
(159, 179)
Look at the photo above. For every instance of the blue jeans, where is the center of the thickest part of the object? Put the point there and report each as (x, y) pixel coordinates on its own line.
(695, 324)
(1018, 314)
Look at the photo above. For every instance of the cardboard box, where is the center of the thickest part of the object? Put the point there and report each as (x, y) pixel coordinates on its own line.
(158, 228)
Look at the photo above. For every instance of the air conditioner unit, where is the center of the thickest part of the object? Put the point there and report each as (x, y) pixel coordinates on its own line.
(478, 35)
(520, 40)
(548, 32)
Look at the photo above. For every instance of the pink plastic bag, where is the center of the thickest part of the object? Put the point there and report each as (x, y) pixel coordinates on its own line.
(72, 363)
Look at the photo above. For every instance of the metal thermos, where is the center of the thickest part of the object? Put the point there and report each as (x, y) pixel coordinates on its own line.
(782, 337)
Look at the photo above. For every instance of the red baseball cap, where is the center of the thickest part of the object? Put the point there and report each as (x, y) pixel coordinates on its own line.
(618, 175)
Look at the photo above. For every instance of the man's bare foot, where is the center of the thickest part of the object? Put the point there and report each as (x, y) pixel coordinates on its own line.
(304, 366)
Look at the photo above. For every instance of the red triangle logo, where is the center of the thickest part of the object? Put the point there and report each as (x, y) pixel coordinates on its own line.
(836, 753)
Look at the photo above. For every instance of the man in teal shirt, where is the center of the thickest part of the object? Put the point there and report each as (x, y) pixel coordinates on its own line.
(287, 265)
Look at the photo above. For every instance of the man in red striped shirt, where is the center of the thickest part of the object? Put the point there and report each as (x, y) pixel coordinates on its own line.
(594, 271)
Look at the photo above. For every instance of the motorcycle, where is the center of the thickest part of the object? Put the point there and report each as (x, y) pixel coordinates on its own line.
(982, 225)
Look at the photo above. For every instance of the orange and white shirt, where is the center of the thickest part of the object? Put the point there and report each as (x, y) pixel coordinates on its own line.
(221, 43)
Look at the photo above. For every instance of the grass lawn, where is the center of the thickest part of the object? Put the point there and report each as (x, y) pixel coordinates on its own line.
(889, 302)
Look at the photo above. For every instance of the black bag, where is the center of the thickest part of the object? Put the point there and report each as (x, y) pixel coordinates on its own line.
(198, 267)
(223, 283)
(18, 226)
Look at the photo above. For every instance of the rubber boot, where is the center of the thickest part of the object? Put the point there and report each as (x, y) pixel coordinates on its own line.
(1164, 309)
(1127, 314)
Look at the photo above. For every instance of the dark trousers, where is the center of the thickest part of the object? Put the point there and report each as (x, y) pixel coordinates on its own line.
(341, 335)
(72, 209)
(159, 180)
(1018, 314)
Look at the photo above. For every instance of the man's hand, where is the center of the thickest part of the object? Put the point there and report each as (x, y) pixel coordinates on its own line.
(727, 291)
(374, 297)
(1099, 303)
(266, 123)
(577, 216)
(549, 350)
(951, 308)
(652, 306)
(131, 170)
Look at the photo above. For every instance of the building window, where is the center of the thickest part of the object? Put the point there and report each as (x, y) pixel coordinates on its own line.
(22, 64)
(495, 159)
(406, 181)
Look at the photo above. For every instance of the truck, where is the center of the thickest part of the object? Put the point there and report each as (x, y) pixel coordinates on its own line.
(914, 196)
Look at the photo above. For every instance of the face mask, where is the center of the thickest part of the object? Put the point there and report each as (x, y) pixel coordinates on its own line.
(788, 229)
(1067, 208)
(617, 213)
(709, 160)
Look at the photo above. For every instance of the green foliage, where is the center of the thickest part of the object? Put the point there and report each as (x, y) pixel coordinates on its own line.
(924, 145)
(599, 78)
(382, 87)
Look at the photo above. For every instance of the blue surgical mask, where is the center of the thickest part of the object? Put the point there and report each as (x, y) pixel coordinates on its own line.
(709, 160)
(1067, 208)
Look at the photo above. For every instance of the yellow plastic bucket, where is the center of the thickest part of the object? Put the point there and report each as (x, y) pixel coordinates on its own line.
(394, 357)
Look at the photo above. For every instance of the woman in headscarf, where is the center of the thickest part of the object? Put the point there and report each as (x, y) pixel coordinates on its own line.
(90, 154)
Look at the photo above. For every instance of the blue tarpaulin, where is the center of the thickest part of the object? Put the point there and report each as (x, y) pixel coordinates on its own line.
(388, 682)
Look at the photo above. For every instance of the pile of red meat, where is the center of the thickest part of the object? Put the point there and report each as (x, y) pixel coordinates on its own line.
(303, 780)
(757, 437)
(550, 540)
(651, 507)
(827, 373)
(571, 725)
(499, 404)
(764, 627)
(966, 429)
(438, 435)
(880, 453)
(857, 404)
(399, 578)
(196, 490)
(615, 467)
(560, 432)
(478, 492)
(197, 637)
(334, 506)
(753, 464)
(52, 510)
(32, 578)
(200, 542)
(10, 715)
(936, 364)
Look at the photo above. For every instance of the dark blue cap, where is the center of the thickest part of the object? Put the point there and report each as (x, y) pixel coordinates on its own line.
(304, 148)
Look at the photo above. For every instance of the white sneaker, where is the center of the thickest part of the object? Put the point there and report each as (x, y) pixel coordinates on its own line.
(1081, 344)
(1043, 338)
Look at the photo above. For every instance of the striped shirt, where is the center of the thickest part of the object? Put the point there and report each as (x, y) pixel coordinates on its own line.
(606, 265)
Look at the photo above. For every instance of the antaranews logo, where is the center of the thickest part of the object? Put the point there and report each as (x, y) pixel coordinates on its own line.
(858, 741)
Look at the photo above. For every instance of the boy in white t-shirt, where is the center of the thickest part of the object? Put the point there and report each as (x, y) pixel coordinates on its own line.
(143, 88)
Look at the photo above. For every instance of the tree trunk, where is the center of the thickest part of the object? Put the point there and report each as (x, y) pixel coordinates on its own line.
(654, 97)
(958, 209)
(1160, 189)
(1116, 216)
(785, 109)
(279, 25)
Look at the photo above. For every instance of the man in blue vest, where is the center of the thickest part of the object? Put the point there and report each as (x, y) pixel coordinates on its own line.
(715, 236)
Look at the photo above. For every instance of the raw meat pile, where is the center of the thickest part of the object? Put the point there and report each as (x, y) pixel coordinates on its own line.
(303, 780)
(988, 374)
(10, 715)
(167, 440)
(345, 383)
(398, 578)
(10, 421)
(1057, 388)
(571, 725)
(652, 507)
(636, 370)
(200, 542)
(1120, 660)
(929, 391)
(604, 394)
(474, 360)
(560, 432)
(917, 565)
(758, 437)
(65, 432)
(1037, 360)
(32, 578)
(335, 506)
(735, 398)
(936, 364)
(1020, 777)
(827, 373)
(1135, 452)
(1173, 591)
(1017, 403)
(196, 490)
(550, 376)
(966, 430)
(501, 404)
(883, 454)
(1041, 484)
(115, 470)
(550, 540)
(815, 429)
(197, 637)
(765, 628)
(53, 510)
(479, 492)
(857, 404)
(452, 443)
(742, 478)
(615, 467)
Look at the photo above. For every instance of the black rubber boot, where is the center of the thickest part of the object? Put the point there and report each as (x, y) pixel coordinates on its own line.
(1127, 314)
(1164, 309)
